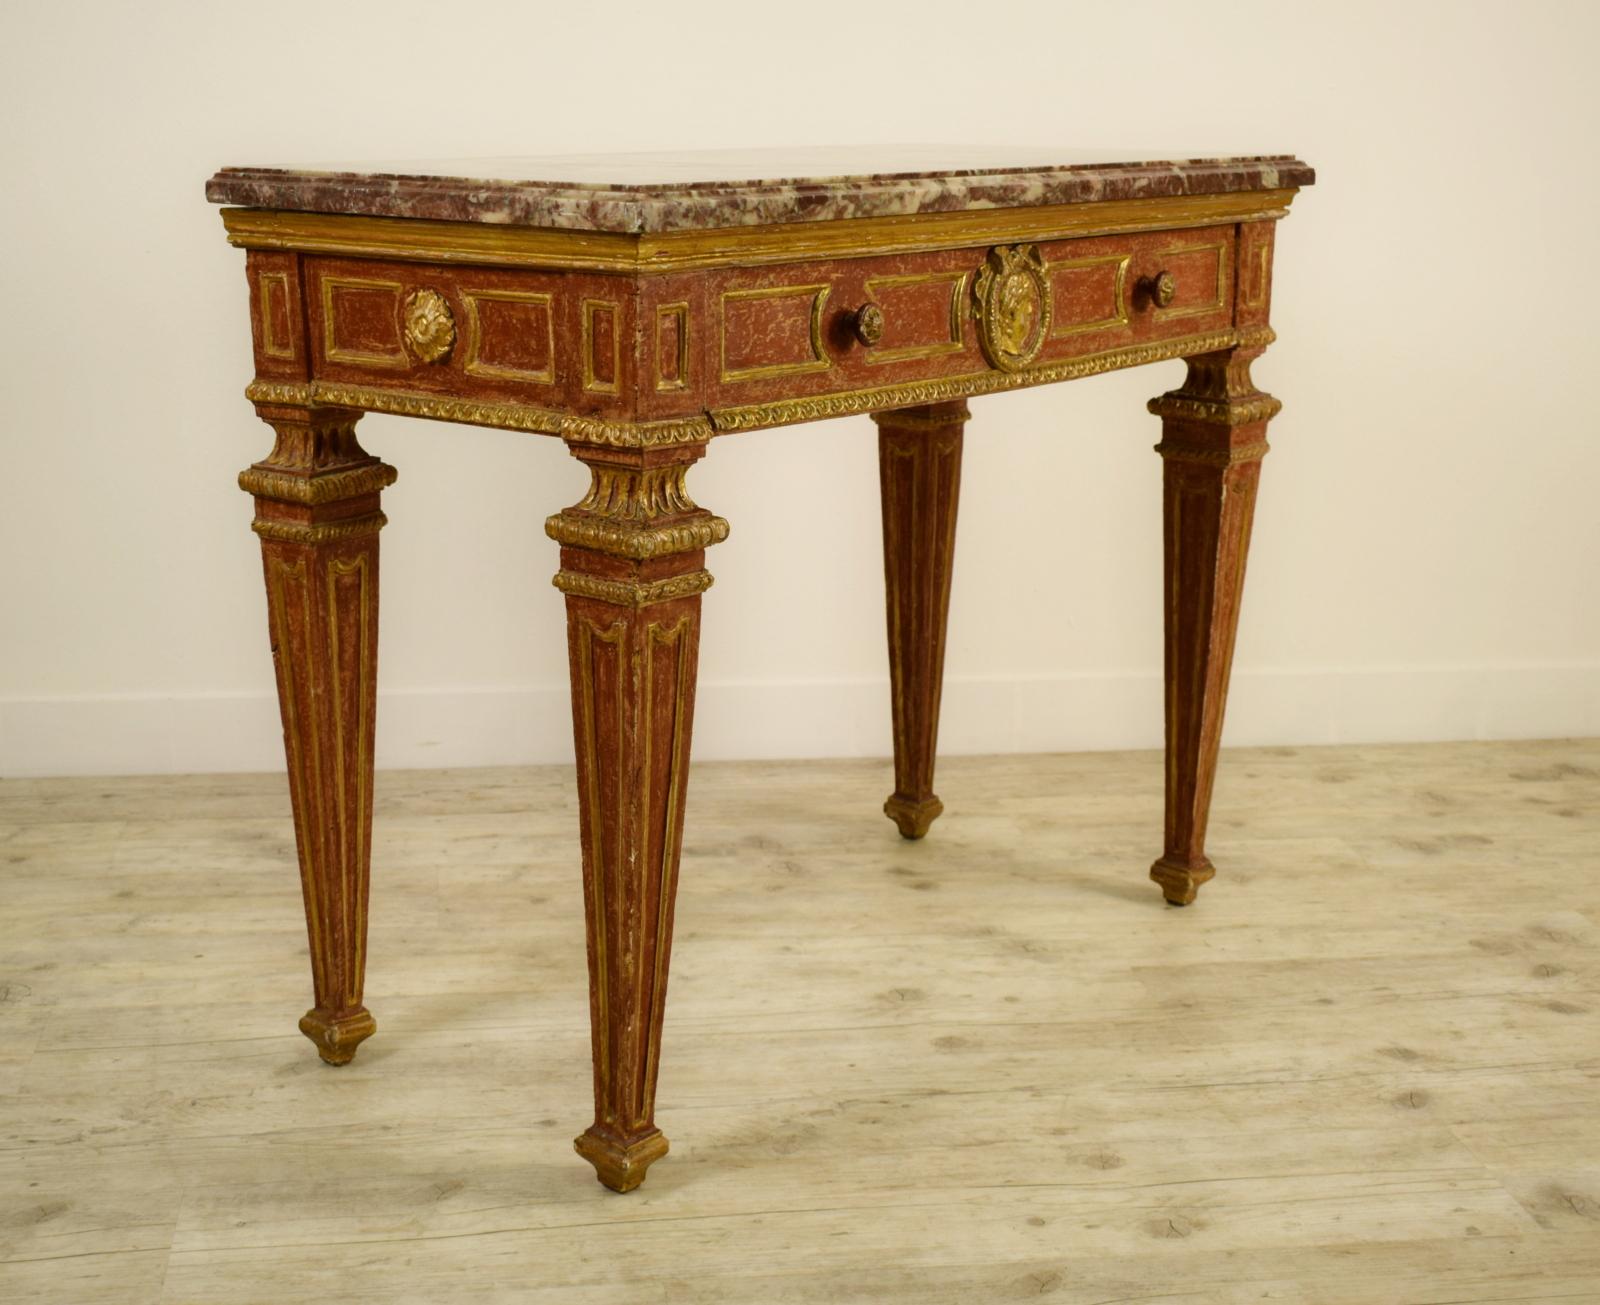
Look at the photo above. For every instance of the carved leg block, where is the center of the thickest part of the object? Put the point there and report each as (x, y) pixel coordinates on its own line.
(317, 513)
(632, 568)
(1213, 439)
(919, 471)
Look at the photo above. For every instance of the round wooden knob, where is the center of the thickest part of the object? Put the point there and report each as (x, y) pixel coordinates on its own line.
(867, 324)
(1164, 289)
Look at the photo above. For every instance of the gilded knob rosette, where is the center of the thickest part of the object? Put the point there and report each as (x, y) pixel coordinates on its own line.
(430, 328)
(866, 323)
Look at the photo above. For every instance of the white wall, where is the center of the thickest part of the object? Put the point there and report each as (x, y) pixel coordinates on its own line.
(1427, 537)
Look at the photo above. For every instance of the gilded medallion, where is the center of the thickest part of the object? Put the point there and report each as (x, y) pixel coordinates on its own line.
(1013, 306)
(430, 327)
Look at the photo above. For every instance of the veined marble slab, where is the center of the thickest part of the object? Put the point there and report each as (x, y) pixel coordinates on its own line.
(728, 188)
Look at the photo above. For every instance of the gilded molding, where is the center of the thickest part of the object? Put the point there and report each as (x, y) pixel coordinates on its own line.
(701, 427)
(503, 416)
(631, 540)
(294, 394)
(318, 532)
(486, 244)
(1234, 412)
(635, 435)
(631, 593)
(1174, 452)
(327, 487)
(757, 415)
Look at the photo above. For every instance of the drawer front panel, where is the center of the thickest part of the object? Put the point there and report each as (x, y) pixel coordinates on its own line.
(673, 346)
(555, 339)
(797, 329)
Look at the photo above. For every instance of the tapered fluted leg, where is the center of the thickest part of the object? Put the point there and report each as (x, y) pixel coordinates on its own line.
(318, 517)
(1214, 431)
(632, 568)
(919, 471)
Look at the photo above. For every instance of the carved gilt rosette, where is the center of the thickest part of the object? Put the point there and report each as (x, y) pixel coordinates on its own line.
(430, 327)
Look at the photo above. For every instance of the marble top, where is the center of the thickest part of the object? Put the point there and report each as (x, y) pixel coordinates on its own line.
(729, 188)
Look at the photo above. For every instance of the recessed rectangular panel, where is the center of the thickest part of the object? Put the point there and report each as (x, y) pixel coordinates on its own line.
(1089, 294)
(361, 322)
(510, 336)
(602, 347)
(773, 331)
(923, 315)
(277, 332)
(1201, 274)
(1257, 273)
(672, 346)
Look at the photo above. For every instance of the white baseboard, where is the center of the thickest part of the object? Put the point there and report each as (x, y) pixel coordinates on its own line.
(132, 734)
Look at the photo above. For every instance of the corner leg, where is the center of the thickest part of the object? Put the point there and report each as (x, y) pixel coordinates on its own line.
(919, 471)
(632, 568)
(317, 513)
(1213, 438)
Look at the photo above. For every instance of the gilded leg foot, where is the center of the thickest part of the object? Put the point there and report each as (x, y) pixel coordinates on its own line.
(911, 816)
(337, 1037)
(620, 1167)
(1180, 883)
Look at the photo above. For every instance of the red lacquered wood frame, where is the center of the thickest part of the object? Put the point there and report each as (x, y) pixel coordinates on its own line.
(637, 351)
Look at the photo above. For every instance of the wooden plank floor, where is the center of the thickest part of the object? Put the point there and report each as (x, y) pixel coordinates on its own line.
(989, 1067)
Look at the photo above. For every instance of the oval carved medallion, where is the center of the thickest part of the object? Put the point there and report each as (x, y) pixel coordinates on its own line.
(1013, 306)
(430, 327)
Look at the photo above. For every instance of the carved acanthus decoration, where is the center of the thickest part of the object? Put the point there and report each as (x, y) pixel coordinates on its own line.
(264, 482)
(1218, 391)
(629, 495)
(632, 593)
(637, 512)
(318, 532)
(1225, 457)
(313, 441)
(1229, 412)
(315, 461)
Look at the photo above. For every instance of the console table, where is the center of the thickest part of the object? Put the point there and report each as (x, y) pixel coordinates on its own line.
(638, 307)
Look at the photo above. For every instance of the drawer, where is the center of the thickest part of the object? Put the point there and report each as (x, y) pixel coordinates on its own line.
(529, 337)
(812, 329)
